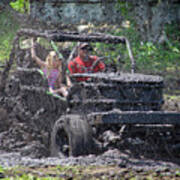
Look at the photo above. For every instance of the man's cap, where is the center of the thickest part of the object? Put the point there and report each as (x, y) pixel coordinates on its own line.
(85, 46)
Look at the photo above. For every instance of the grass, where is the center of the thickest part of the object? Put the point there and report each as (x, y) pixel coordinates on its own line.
(80, 172)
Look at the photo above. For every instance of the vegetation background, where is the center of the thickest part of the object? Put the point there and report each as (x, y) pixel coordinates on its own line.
(161, 58)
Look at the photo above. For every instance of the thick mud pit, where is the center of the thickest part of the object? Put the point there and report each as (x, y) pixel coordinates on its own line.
(29, 115)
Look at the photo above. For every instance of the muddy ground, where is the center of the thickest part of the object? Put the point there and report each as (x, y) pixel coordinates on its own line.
(129, 162)
(110, 165)
(140, 151)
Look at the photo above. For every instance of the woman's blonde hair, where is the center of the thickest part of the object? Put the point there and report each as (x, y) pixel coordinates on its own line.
(49, 61)
(50, 58)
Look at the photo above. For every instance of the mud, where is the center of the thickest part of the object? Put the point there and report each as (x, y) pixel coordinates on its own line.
(111, 157)
(134, 148)
(28, 115)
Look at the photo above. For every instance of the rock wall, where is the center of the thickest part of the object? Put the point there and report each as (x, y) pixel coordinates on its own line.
(83, 11)
(75, 11)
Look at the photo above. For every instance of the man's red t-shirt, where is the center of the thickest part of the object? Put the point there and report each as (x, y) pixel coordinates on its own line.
(79, 66)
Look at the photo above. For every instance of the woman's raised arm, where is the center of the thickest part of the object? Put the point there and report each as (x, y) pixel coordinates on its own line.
(40, 62)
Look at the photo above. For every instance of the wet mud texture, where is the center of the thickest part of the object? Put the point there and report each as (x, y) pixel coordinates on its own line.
(28, 115)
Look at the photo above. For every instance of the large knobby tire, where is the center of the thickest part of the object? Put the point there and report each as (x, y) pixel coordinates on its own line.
(75, 132)
(59, 139)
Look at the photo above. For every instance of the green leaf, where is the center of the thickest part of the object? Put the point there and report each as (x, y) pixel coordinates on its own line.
(175, 50)
(178, 173)
(21, 5)
(1, 169)
(56, 49)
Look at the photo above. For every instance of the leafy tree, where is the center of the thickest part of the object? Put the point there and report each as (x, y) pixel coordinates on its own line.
(23, 6)
(150, 17)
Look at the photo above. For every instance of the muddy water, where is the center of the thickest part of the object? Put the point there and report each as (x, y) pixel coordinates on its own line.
(111, 157)
(26, 132)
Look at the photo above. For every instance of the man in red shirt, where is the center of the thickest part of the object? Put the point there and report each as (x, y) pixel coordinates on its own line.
(85, 63)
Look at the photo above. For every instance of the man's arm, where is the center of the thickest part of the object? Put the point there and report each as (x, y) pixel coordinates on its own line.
(98, 65)
(72, 67)
(101, 66)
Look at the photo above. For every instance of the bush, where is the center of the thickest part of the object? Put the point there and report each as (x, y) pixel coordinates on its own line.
(8, 30)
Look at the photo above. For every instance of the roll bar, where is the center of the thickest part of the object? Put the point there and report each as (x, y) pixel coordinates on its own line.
(60, 36)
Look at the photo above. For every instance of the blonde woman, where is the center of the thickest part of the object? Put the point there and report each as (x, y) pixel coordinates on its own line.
(52, 69)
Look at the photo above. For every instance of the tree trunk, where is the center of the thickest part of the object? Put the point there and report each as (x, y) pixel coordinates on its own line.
(150, 18)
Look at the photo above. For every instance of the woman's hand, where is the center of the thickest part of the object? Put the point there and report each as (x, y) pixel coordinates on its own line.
(68, 81)
(40, 62)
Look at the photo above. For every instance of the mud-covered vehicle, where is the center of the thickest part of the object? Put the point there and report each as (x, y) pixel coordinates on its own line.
(93, 116)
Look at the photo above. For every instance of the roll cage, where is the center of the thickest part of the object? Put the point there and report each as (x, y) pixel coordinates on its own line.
(61, 36)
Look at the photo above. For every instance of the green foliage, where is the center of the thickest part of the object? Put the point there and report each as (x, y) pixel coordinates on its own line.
(150, 58)
(124, 7)
(8, 30)
(1, 169)
(23, 6)
(86, 172)
(178, 173)
(68, 169)
(55, 47)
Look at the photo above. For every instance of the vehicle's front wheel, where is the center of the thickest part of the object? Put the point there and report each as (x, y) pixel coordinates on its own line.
(72, 136)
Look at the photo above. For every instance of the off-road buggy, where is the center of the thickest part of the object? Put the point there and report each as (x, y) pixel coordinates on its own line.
(104, 104)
